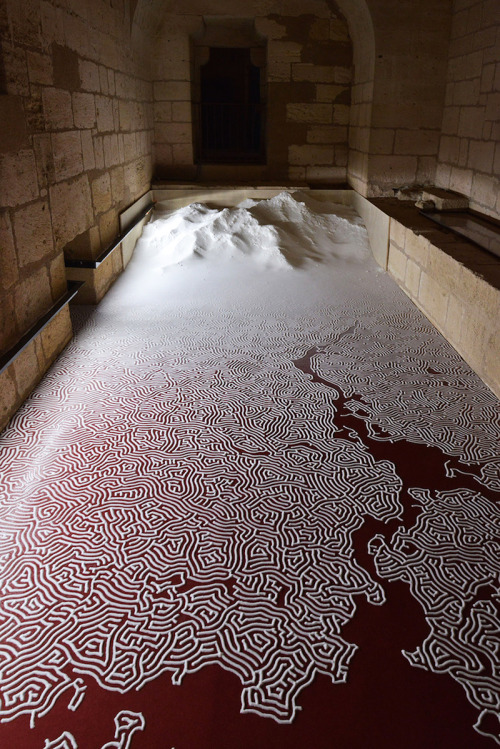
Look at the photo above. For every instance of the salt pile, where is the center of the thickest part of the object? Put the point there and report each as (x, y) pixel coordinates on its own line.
(283, 232)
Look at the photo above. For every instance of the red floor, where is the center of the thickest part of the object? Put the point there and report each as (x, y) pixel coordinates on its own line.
(240, 528)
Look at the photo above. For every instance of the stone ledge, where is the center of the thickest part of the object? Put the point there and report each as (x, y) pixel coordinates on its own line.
(454, 282)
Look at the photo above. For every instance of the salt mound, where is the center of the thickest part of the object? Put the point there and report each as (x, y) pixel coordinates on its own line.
(282, 232)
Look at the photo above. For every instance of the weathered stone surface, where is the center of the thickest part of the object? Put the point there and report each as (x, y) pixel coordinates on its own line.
(8, 396)
(13, 133)
(18, 178)
(9, 333)
(84, 112)
(33, 298)
(8, 259)
(312, 113)
(26, 370)
(67, 154)
(101, 193)
(104, 113)
(40, 68)
(57, 109)
(310, 155)
(56, 334)
(71, 209)
(65, 67)
(57, 273)
(33, 232)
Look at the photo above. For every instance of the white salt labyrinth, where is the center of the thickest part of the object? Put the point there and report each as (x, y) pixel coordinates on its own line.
(177, 440)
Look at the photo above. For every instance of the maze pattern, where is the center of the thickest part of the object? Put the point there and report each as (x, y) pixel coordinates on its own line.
(127, 723)
(178, 493)
(450, 560)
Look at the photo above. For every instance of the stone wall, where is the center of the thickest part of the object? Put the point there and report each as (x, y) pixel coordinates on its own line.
(75, 149)
(309, 67)
(455, 284)
(469, 151)
(411, 52)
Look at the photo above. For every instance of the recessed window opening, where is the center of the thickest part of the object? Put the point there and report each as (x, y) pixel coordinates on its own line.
(232, 114)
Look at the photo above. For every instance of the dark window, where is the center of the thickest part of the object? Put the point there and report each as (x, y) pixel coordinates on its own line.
(231, 116)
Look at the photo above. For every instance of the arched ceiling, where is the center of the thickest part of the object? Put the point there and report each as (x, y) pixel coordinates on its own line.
(148, 15)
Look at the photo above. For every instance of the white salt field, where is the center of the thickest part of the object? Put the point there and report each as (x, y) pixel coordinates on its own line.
(252, 393)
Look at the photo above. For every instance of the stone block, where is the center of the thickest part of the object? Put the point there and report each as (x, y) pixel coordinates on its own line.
(103, 79)
(412, 278)
(40, 68)
(172, 91)
(327, 134)
(485, 190)
(449, 149)
(8, 259)
(87, 150)
(66, 68)
(26, 370)
(491, 362)
(181, 111)
(473, 338)
(71, 206)
(57, 109)
(433, 299)
(111, 150)
(316, 113)
(101, 193)
(280, 51)
(312, 73)
(117, 184)
(57, 334)
(170, 132)
(393, 170)
(417, 247)
(341, 114)
(33, 298)
(461, 180)
(471, 120)
(33, 232)
(163, 154)
(416, 142)
(84, 113)
(57, 273)
(397, 263)
(8, 396)
(296, 173)
(109, 228)
(329, 92)
(338, 30)
(15, 68)
(104, 114)
(182, 153)
(162, 111)
(398, 233)
(13, 132)
(42, 147)
(67, 154)
(454, 318)
(279, 72)
(310, 155)
(89, 76)
(325, 174)
(18, 178)
(342, 75)
(270, 28)
(382, 140)
(98, 151)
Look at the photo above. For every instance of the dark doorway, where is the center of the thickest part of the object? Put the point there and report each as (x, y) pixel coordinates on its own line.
(231, 111)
